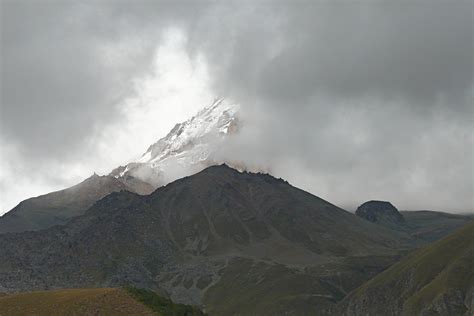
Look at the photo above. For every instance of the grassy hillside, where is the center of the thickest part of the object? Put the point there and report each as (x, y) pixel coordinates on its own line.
(103, 301)
(435, 280)
(247, 287)
(161, 305)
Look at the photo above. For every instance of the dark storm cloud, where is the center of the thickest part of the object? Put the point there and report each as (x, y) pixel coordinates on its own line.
(54, 85)
(353, 99)
(415, 50)
(411, 50)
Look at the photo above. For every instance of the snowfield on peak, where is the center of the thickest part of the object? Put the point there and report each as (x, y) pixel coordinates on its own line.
(187, 148)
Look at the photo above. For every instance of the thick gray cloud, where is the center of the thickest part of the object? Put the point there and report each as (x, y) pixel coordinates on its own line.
(355, 100)
(65, 66)
(419, 50)
(349, 99)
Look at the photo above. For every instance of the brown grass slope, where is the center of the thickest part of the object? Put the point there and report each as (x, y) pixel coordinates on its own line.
(102, 301)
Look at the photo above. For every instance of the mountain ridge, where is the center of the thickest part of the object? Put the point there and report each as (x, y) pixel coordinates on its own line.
(186, 149)
(57, 208)
(189, 239)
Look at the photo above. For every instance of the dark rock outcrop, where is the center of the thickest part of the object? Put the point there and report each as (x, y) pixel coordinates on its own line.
(382, 213)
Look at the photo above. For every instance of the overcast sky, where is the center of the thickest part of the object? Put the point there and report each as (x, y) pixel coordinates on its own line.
(350, 100)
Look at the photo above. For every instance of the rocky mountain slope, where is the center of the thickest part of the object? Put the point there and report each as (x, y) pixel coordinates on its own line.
(57, 208)
(231, 242)
(435, 280)
(188, 148)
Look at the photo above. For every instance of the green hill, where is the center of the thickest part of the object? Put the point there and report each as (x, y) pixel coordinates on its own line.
(435, 280)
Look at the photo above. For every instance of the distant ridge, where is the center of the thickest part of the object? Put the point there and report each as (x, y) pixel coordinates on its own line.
(57, 208)
(425, 226)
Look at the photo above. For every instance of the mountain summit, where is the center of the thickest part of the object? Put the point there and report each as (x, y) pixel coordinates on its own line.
(187, 148)
(215, 238)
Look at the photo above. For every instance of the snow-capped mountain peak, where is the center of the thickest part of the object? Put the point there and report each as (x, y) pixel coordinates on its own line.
(188, 147)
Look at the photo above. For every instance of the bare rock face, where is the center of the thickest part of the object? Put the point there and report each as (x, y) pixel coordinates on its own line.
(381, 212)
